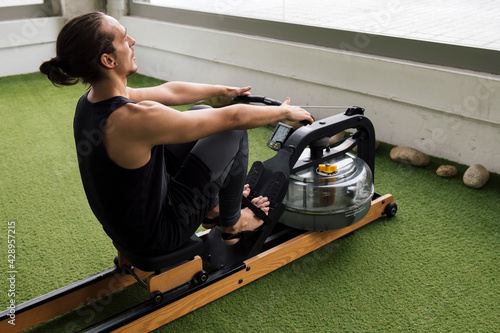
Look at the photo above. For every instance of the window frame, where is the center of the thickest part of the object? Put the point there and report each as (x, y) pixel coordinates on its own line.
(427, 52)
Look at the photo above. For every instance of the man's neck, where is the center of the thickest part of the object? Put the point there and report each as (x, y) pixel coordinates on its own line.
(107, 88)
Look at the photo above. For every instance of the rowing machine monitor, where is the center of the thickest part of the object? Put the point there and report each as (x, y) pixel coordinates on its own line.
(281, 133)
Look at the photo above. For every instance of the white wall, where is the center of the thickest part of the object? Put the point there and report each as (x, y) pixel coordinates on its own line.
(72, 8)
(25, 44)
(442, 111)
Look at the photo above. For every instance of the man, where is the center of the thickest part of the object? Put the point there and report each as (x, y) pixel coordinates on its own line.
(153, 174)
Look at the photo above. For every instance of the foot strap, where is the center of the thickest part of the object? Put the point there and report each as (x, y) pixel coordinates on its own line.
(257, 211)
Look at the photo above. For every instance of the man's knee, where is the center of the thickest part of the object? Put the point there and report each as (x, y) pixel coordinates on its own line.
(220, 150)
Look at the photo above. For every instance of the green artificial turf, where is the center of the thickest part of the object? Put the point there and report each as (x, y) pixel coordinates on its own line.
(434, 267)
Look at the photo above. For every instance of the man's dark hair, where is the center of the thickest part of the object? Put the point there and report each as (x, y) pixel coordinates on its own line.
(79, 46)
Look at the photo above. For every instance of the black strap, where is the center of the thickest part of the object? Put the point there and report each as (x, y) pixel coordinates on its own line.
(257, 211)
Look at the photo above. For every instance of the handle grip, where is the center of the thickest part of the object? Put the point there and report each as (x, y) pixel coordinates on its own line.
(261, 99)
(256, 99)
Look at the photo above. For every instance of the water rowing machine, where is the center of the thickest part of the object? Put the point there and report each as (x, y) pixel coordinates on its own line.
(318, 194)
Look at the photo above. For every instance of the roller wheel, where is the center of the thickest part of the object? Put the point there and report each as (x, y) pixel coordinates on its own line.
(391, 209)
(202, 276)
(156, 297)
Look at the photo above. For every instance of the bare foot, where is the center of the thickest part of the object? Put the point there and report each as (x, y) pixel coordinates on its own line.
(214, 213)
(246, 190)
(248, 221)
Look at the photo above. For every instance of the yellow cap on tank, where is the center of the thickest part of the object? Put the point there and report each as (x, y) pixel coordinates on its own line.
(327, 168)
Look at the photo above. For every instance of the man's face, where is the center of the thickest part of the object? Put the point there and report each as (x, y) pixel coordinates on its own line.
(123, 44)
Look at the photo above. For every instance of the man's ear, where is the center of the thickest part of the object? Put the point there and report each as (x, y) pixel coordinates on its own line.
(107, 61)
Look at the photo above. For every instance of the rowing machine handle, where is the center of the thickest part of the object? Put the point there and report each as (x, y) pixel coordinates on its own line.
(261, 99)
(256, 99)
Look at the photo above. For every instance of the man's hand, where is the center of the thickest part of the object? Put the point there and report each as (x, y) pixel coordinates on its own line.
(225, 96)
(296, 115)
(232, 92)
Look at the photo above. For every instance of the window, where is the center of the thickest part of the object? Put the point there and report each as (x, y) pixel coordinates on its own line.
(455, 33)
(458, 22)
(10, 3)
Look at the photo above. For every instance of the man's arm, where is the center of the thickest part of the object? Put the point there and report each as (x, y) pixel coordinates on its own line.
(133, 129)
(180, 93)
(156, 124)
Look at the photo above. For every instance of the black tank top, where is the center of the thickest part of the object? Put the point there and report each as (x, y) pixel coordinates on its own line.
(127, 202)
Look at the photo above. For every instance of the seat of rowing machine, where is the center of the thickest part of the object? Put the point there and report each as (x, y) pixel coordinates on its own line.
(193, 247)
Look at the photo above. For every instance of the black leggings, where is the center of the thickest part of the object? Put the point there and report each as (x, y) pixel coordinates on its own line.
(203, 174)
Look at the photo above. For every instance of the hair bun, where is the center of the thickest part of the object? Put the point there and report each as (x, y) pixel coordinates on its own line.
(55, 71)
(56, 61)
(51, 65)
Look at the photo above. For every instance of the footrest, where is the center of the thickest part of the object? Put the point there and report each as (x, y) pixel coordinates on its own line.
(254, 174)
(277, 188)
(189, 250)
(269, 183)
